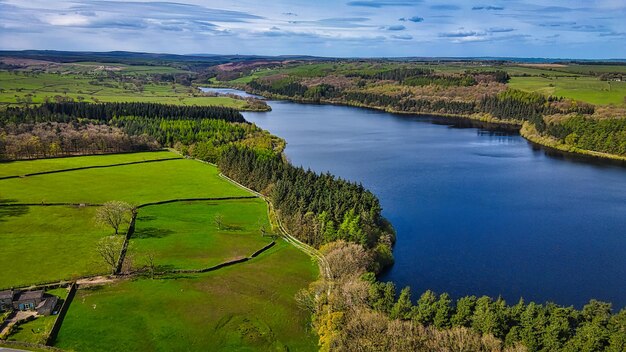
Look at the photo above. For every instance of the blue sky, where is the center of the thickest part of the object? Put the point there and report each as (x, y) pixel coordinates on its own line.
(345, 28)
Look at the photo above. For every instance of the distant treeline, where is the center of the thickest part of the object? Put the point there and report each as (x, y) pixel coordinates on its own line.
(68, 111)
(293, 87)
(286, 87)
(396, 74)
(406, 103)
(583, 131)
(423, 77)
(318, 208)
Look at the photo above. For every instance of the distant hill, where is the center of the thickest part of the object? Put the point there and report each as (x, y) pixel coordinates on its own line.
(128, 57)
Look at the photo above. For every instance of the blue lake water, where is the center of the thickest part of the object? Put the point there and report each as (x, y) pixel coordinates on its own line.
(476, 211)
(225, 91)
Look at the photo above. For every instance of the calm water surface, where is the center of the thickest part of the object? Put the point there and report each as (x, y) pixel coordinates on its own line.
(476, 212)
(225, 91)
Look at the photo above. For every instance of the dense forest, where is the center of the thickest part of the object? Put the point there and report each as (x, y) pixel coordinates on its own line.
(56, 129)
(68, 111)
(54, 139)
(602, 135)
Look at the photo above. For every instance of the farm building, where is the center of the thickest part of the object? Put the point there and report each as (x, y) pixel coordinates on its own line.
(6, 300)
(28, 300)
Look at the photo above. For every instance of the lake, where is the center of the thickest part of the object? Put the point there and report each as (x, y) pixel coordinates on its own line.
(477, 211)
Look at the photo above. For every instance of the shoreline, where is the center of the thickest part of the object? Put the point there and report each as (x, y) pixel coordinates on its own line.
(529, 132)
(525, 130)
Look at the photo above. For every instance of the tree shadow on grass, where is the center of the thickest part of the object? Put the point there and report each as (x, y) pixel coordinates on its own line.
(146, 218)
(94, 288)
(177, 276)
(12, 211)
(151, 232)
(230, 227)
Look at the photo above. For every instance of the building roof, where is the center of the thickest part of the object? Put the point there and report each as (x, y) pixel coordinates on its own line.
(49, 302)
(29, 295)
(8, 294)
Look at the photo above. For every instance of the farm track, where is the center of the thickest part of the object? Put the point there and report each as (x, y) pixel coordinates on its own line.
(310, 251)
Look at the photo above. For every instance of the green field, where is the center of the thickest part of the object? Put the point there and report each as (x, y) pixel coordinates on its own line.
(34, 331)
(23, 167)
(343, 68)
(136, 184)
(93, 66)
(47, 244)
(37, 87)
(246, 307)
(184, 235)
(587, 89)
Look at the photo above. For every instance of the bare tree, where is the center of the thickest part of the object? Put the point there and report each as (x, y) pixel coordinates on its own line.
(219, 221)
(114, 214)
(150, 263)
(346, 260)
(110, 249)
(262, 228)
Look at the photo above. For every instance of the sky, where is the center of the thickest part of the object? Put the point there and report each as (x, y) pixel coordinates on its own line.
(592, 29)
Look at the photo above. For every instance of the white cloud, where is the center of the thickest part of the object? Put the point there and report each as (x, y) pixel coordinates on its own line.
(68, 20)
(322, 27)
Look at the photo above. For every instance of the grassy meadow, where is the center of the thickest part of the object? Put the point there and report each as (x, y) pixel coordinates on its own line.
(587, 89)
(47, 244)
(246, 307)
(23, 167)
(17, 87)
(185, 236)
(135, 184)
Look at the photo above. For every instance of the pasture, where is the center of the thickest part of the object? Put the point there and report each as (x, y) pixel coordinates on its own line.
(23, 167)
(47, 244)
(19, 88)
(135, 184)
(245, 307)
(185, 235)
(587, 89)
(63, 238)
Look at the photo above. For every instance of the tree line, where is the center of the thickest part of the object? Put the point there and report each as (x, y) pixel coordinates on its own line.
(317, 208)
(602, 135)
(396, 74)
(56, 129)
(68, 111)
(54, 139)
(203, 139)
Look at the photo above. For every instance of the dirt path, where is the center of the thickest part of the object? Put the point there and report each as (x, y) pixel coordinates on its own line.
(310, 251)
(97, 280)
